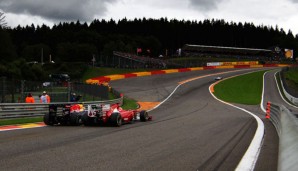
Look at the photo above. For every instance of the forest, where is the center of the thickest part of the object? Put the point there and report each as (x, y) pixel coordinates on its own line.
(70, 45)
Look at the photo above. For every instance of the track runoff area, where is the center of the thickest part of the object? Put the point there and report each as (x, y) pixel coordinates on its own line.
(249, 159)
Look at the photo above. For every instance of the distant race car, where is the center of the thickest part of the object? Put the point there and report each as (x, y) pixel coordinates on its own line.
(64, 114)
(218, 78)
(113, 114)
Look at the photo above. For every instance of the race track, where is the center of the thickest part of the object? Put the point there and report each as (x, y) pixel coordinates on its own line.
(190, 131)
(274, 96)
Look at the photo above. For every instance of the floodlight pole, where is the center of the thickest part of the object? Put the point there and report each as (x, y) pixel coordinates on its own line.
(41, 56)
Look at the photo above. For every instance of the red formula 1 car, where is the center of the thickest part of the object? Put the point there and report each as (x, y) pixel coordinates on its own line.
(113, 114)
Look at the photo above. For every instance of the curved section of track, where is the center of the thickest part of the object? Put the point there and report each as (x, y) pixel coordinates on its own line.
(190, 131)
(273, 95)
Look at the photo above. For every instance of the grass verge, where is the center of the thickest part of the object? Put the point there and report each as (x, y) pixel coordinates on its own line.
(20, 121)
(129, 104)
(280, 88)
(244, 89)
(291, 76)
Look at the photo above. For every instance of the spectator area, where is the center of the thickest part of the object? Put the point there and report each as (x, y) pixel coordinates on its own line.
(231, 52)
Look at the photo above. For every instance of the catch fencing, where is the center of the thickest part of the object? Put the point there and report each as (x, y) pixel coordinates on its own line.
(15, 91)
(286, 125)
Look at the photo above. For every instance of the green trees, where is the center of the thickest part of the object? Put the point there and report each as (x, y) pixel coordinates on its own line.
(79, 42)
(75, 52)
(7, 51)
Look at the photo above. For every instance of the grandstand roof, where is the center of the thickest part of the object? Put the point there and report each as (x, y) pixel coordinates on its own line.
(204, 48)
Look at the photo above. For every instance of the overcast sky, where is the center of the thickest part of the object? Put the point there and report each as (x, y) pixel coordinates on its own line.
(283, 13)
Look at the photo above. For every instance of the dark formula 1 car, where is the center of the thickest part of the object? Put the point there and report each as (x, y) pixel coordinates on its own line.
(113, 114)
(64, 114)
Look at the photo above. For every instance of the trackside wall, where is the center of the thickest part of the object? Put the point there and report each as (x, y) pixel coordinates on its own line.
(286, 125)
(291, 98)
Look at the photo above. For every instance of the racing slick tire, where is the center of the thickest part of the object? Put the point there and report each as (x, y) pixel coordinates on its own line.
(47, 119)
(116, 119)
(74, 119)
(144, 116)
(86, 120)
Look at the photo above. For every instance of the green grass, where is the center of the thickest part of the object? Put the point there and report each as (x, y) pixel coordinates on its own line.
(292, 74)
(20, 121)
(244, 89)
(129, 104)
(280, 87)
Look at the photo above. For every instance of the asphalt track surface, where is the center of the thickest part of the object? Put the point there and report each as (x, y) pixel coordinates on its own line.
(190, 131)
(274, 96)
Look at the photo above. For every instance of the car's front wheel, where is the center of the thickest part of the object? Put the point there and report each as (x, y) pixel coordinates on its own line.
(144, 116)
(47, 119)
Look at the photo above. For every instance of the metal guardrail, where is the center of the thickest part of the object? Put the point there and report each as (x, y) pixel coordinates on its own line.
(21, 110)
(291, 98)
(275, 117)
(286, 125)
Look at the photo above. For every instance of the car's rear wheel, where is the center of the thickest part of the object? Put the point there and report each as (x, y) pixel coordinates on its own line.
(74, 119)
(86, 120)
(144, 116)
(116, 119)
(47, 119)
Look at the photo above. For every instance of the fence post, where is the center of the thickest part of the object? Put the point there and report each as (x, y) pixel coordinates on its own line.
(22, 90)
(3, 89)
(68, 90)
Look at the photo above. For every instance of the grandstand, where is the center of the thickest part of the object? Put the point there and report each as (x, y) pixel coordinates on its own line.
(197, 55)
(229, 52)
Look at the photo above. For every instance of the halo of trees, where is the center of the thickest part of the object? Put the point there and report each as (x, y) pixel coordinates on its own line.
(79, 42)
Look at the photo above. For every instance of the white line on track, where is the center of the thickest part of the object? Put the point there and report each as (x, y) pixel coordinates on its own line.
(250, 157)
(165, 99)
(263, 91)
(189, 80)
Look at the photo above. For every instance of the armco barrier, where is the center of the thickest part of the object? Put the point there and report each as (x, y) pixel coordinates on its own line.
(286, 125)
(21, 110)
(291, 98)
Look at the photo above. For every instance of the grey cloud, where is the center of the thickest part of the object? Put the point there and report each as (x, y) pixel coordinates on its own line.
(295, 1)
(205, 5)
(60, 10)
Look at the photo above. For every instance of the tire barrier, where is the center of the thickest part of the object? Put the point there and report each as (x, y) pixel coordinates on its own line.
(268, 110)
(286, 125)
